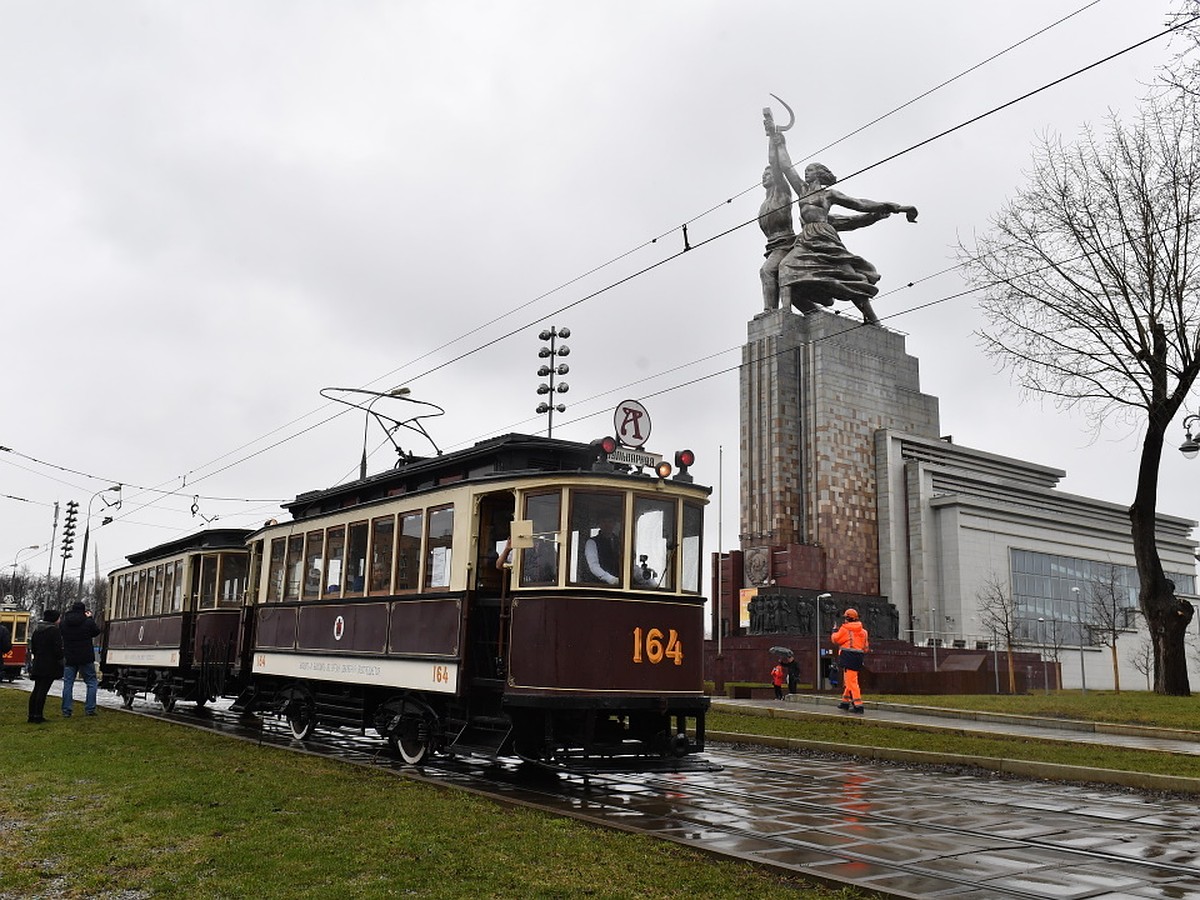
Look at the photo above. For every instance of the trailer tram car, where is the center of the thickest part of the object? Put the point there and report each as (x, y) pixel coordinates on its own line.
(17, 623)
(390, 604)
(174, 624)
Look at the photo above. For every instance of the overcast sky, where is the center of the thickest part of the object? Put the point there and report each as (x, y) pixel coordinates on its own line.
(213, 210)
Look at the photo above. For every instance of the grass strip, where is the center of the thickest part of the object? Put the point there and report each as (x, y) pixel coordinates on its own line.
(124, 806)
(867, 733)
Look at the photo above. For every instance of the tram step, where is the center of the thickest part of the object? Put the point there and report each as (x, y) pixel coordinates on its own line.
(481, 740)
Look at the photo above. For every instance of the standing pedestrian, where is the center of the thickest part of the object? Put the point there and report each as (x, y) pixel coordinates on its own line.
(777, 680)
(853, 643)
(792, 668)
(45, 664)
(78, 631)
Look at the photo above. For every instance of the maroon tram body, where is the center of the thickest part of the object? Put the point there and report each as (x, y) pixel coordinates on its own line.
(174, 623)
(457, 604)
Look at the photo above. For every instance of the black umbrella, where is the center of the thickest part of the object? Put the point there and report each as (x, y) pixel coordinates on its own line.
(782, 651)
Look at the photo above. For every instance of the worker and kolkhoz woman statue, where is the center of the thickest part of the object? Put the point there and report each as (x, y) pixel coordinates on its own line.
(813, 268)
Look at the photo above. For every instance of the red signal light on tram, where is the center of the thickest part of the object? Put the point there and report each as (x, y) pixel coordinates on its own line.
(684, 459)
(602, 447)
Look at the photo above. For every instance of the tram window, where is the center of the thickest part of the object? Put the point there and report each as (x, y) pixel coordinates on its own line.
(177, 591)
(383, 537)
(314, 543)
(408, 553)
(141, 593)
(208, 581)
(168, 586)
(295, 567)
(254, 577)
(156, 604)
(597, 539)
(654, 543)
(276, 570)
(335, 548)
(233, 579)
(20, 631)
(539, 564)
(356, 560)
(693, 528)
(438, 547)
(118, 597)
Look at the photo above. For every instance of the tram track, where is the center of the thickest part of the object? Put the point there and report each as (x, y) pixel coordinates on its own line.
(896, 831)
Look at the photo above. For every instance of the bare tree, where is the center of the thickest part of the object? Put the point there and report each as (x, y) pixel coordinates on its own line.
(1142, 659)
(1182, 73)
(1089, 280)
(997, 615)
(1108, 615)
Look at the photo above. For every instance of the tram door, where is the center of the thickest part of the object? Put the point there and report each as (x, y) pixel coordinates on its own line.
(487, 605)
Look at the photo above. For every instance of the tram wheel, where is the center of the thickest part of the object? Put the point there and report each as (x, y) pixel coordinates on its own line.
(127, 695)
(165, 696)
(411, 740)
(301, 719)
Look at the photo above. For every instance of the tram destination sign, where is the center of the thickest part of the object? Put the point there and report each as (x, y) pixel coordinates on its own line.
(627, 457)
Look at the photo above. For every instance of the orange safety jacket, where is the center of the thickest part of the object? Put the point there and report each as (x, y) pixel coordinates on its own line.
(852, 636)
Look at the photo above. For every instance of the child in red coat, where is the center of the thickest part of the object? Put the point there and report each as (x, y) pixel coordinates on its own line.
(778, 679)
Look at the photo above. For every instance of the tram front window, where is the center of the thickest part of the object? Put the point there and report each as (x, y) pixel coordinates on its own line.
(233, 579)
(693, 529)
(539, 564)
(597, 539)
(654, 543)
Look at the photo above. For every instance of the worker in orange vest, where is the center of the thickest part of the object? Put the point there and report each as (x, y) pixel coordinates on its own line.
(853, 644)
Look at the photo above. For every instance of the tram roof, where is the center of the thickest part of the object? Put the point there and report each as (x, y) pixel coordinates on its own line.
(505, 456)
(207, 539)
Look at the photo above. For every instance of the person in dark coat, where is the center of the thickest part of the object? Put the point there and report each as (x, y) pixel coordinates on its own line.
(79, 630)
(45, 664)
(792, 668)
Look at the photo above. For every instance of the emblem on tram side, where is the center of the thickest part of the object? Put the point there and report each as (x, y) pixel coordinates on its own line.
(339, 628)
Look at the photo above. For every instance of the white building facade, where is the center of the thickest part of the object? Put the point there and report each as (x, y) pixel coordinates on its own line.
(956, 524)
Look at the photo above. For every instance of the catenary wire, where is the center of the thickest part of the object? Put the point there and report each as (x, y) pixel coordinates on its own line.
(677, 254)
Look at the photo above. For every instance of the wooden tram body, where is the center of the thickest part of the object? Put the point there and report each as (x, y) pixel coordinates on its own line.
(174, 626)
(17, 623)
(380, 606)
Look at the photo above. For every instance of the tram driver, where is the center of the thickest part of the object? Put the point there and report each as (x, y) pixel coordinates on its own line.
(602, 551)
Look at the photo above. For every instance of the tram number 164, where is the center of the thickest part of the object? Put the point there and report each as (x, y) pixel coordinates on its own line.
(649, 646)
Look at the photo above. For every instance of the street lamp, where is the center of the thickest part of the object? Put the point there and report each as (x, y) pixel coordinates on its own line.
(15, 558)
(1042, 641)
(548, 370)
(933, 635)
(87, 526)
(1191, 446)
(817, 631)
(1079, 622)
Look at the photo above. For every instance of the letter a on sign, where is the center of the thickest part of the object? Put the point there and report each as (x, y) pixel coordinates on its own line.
(631, 423)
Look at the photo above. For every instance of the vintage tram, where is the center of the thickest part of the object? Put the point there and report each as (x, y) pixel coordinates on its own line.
(174, 624)
(17, 623)
(456, 604)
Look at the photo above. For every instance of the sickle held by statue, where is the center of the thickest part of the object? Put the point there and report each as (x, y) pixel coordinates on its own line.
(791, 115)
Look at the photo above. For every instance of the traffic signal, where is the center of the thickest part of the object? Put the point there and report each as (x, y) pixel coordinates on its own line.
(68, 538)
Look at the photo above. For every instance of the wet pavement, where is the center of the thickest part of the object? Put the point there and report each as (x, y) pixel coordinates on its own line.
(902, 832)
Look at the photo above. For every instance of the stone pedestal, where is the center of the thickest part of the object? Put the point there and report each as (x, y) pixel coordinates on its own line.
(814, 391)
